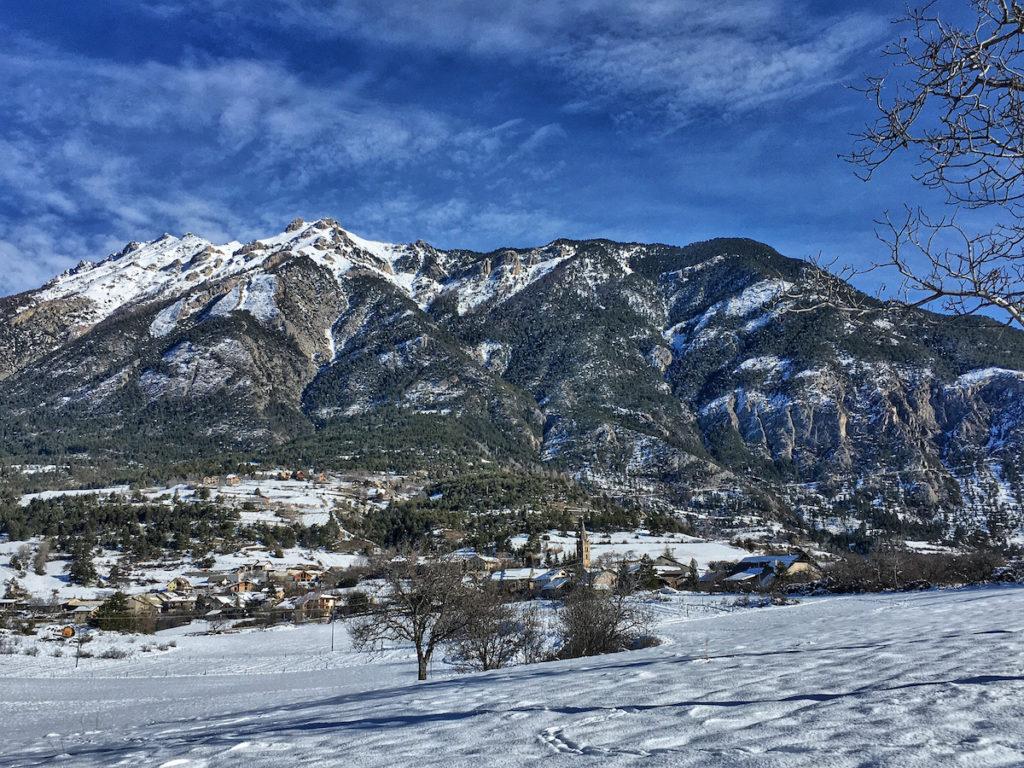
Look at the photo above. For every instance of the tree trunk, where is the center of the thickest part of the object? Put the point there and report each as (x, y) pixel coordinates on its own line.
(422, 660)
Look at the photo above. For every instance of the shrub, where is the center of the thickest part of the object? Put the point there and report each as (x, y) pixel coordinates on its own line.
(495, 633)
(592, 623)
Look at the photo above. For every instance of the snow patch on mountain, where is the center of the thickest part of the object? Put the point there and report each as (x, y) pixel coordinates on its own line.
(505, 279)
(227, 303)
(258, 298)
(164, 266)
(198, 370)
(769, 363)
(984, 375)
(760, 295)
(166, 319)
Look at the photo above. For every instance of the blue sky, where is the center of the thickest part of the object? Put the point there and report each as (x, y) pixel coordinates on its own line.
(467, 124)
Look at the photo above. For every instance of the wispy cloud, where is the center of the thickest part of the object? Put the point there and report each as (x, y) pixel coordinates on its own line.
(669, 59)
(225, 148)
(465, 122)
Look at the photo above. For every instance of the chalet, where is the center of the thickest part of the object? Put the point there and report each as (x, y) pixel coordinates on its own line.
(211, 481)
(307, 607)
(9, 604)
(242, 585)
(232, 480)
(313, 605)
(171, 602)
(230, 581)
(256, 567)
(303, 576)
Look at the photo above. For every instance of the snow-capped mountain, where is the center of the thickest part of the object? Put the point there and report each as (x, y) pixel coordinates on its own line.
(711, 378)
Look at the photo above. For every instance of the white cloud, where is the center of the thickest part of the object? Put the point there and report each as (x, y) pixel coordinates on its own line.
(675, 59)
(228, 149)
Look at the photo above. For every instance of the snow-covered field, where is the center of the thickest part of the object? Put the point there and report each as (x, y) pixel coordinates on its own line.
(613, 547)
(924, 679)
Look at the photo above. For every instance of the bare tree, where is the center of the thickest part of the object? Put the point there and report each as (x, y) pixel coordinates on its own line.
(496, 632)
(955, 96)
(593, 623)
(417, 602)
(41, 558)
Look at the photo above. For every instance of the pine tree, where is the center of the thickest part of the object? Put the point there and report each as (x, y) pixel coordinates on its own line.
(82, 570)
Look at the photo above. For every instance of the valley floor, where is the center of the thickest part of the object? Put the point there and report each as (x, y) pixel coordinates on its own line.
(923, 679)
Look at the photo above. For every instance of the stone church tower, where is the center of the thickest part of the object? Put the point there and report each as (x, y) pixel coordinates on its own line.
(583, 546)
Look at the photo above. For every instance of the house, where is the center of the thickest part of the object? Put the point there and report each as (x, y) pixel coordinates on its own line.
(794, 563)
(716, 573)
(762, 570)
(81, 610)
(171, 602)
(242, 585)
(179, 584)
(551, 583)
(668, 561)
(231, 581)
(303, 576)
(232, 480)
(82, 613)
(512, 579)
(211, 481)
(9, 604)
(144, 605)
(256, 567)
(601, 580)
(471, 560)
(556, 587)
(310, 606)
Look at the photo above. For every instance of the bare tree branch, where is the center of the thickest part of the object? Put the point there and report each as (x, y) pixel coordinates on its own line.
(954, 94)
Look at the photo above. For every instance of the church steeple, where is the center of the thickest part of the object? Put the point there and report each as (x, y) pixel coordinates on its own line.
(582, 546)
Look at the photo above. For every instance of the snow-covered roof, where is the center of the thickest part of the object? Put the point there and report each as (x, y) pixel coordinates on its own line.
(747, 575)
(772, 560)
(554, 584)
(512, 574)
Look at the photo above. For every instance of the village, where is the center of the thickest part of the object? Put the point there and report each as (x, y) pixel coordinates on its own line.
(262, 593)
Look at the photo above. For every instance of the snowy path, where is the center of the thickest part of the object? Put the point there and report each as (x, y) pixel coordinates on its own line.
(926, 679)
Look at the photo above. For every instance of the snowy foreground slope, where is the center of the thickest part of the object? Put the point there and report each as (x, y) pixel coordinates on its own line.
(924, 679)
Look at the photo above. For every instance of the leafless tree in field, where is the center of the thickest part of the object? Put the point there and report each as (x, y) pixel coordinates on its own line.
(954, 96)
(593, 623)
(420, 602)
(41, 558)
(496, 632)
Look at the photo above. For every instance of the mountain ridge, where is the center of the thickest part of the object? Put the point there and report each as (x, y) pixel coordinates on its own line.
(706, 379)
